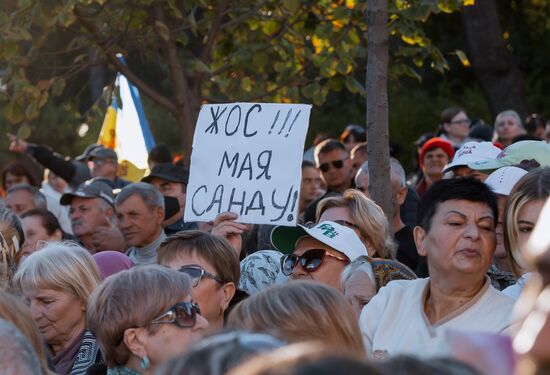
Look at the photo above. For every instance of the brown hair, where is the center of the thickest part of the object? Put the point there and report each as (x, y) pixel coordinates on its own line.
(306, 358)
(534, 185)
(14, 310)
(132, 298)
(215, 250)
(301, 311)
(18, 169)
(369, 218)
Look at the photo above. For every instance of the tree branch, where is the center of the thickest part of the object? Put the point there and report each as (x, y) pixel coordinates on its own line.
(147, 90)
(214, 30)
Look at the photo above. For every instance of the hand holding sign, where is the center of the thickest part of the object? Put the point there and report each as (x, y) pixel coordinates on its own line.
(247, 159)
(225, 226)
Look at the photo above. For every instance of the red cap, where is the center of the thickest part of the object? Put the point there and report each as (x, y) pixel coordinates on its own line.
(434, 143)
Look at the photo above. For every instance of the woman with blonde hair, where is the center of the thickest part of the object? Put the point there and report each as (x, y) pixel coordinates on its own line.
(14, 310)
(301, 311)
(57, 282)
(142, 317)
(522, 211)
(365, 217)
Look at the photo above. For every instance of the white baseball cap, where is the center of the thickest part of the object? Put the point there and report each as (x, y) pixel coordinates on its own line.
(503, 179)
(471, 152)
(339, 237)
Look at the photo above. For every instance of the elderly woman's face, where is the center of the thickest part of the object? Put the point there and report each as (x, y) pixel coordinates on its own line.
(461, 239)
(507, 128)
(208, 293)
(358, 290)
(60, 316)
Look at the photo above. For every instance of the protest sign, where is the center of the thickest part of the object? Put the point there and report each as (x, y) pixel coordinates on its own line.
(247, 159)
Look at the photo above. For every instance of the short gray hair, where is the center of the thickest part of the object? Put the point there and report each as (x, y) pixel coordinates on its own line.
(147, 192)
(38, 197)
(396, 170)
(511, 113)
(17, 356)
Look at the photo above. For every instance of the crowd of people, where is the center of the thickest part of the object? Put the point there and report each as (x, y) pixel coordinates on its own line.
(99, 275)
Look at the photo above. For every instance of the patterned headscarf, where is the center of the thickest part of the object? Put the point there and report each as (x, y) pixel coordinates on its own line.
(260, 270)
(386, 270)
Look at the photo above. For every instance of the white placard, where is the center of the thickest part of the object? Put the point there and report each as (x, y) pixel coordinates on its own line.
(247, 159)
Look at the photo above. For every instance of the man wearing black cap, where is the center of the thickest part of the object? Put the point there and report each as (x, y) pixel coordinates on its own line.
(171, 181)
(92, 217)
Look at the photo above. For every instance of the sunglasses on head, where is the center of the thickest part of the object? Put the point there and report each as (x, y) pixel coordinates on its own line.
(338, 164)
(310, 260)
(197, 273)
(182, 314)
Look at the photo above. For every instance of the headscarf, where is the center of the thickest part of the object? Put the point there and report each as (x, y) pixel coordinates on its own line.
(111, 262)
(386, 270)
(260, 270)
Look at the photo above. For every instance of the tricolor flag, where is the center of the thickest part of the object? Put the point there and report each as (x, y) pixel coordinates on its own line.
(132, 137)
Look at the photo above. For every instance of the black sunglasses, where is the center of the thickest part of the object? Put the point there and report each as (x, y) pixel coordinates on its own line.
(182, 314)
(338, 164)
(196, 273)
(310, 260)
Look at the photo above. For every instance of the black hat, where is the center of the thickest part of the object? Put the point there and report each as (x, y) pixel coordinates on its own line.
(90, 189)
(103, 153)
(168, 172)
(87, 151)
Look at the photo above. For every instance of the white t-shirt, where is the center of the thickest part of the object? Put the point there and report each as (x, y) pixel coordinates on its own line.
(394, 321)
(514, 291)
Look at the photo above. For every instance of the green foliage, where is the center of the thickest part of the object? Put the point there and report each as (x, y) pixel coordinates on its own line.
(244, 50)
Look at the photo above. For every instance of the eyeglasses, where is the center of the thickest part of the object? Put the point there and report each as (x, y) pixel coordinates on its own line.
(310, 260)
(338, 164)
(465, 121)
(182, 314)
(197, 273)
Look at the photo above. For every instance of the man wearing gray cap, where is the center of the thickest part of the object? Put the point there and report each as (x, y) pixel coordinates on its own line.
(92, 216)
(103, 163)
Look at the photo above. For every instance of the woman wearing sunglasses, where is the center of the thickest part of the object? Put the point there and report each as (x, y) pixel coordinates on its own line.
(143, 317)
(211, 263)
(319, 253)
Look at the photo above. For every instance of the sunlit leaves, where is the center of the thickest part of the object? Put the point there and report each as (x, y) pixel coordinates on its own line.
(268, 50)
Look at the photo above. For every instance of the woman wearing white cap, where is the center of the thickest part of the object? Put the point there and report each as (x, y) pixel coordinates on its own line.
(469, 153)
(522, 211)
(319, 253)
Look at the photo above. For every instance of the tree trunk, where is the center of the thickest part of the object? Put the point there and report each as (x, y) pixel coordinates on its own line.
(493, 64)
(377, 105)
